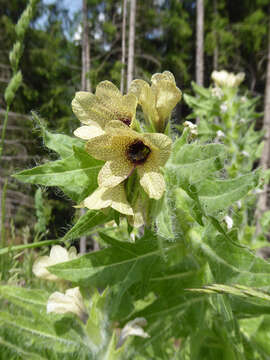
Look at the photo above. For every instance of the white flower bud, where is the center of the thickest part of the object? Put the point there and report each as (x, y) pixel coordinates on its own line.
(70, 302)
(133, 328)
(58, 254)
(229, 222)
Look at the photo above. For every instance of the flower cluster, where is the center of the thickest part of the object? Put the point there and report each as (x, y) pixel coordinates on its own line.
(111, 130)
(225, 79)
(71, 301)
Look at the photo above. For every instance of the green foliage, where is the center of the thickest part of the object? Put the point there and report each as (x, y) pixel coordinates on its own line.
(163, 276)
(196, 281)
(227, 117)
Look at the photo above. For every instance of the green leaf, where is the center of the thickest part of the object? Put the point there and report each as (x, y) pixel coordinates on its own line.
(42, 330)
(31, 300)
(257, 330)
(86, 223)
(216, 195)
(164, 220)
(76, 175)
(113, 264)
(231, 264)
(201, 90)
(17, 350)
(193, 162)
(62, 144)
(96, 323)
(193, 102)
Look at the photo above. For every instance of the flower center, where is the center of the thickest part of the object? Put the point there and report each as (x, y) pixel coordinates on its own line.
(125, 120)
(137, 152)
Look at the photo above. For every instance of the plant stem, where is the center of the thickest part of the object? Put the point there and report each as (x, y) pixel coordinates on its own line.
(3, 214)
(28, 246)
(3, 134)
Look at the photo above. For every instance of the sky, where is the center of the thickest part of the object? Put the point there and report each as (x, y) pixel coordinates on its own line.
(72, 5)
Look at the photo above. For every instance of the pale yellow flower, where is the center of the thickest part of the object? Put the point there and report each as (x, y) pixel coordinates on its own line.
(104, 197)
(96, 110)
(125, 150)
(225, 79)
(157, 100)
(69, 302)
(58, 254)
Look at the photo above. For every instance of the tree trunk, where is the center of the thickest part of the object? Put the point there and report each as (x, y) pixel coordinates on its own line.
(131, 42)
(215, 58)
(85, 81)
(199, 43)
(264, 163)
(123, 60)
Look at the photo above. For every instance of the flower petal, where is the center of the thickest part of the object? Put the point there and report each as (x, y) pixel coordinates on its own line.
(129, 102)
(163, 143)
(87, 108)
(151, 180)
(71, 301)
(166, 75)
(98, 200)
(108, 90)
(105, 197)
(114, 172)
(58, 254)
(148, 103)
(133, 328)
(100, 147)
(40, 268)
(136, 87)
(119, 200)
(139, 209)
(88, 132)
(167, 96)
(115, 124)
